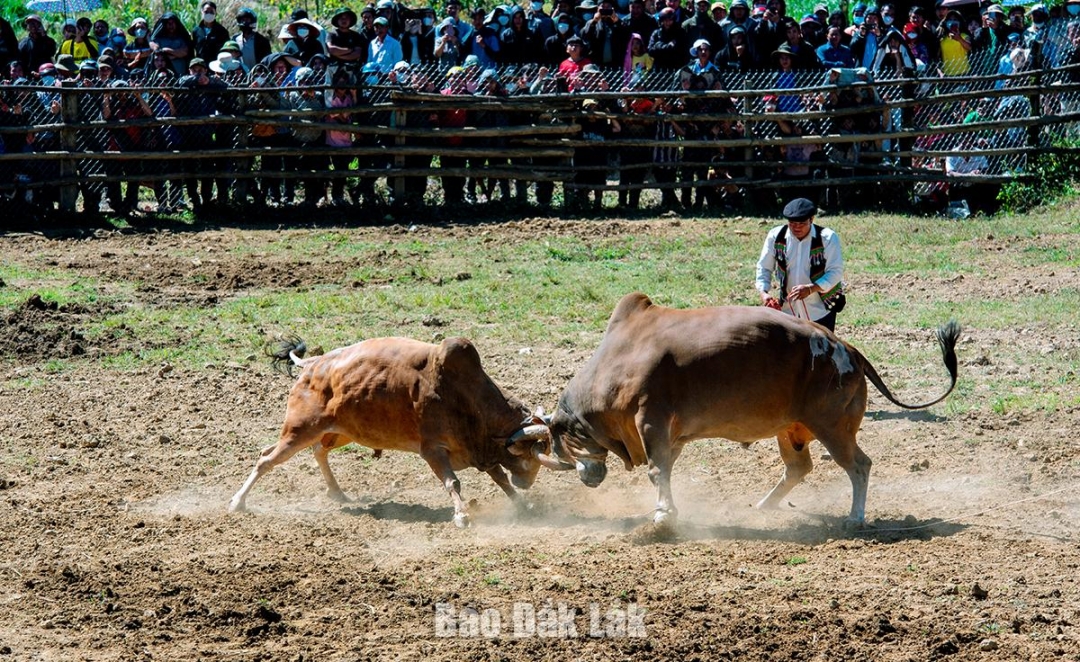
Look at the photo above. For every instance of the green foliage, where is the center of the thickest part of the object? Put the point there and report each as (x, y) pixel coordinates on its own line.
(1054, 176)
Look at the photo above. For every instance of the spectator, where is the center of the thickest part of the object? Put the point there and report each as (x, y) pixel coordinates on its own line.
(637, 62)
(926, 38)
(993, 36)
(304, 41)
(719, 12)
(804, 58)
(542, 25)
(864, 45)
(638, 122)
(668, 45)
(342, 98)
(702, 26)
(955, 46)
(736, 56)
(813, 33)
(520, 44)
(597, 126)
(485, 42)
(448, 52)
(170, 37)
(464, 28)
(784, 60)
(894, 58)
(89, 110)
(9, 43)
(639, 21)
(858, 17)
(36, 48)
(209, 35)
(254, 47)
(555, 47)
(833, 53)
(120, 104)
(605, 36)
(915, 47)
(384, 51)
(80, 45)
(137, 52)
(305, 98)
(770, 32)
(417, 43)
(576, 60)
(101, 34)
(200, 99)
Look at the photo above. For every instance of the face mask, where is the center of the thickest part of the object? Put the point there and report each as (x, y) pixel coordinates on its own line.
(303, 33)
(261, 80)
(372, 79)
(48, 81)
(140, 33)
(208, 17)
(564, 28)
(511, 88)
(952, 24)
(1073, 10)
(858, 20)
(539, 6)
(888, 20)
(428, 22)
(504, 20)
(912, 36)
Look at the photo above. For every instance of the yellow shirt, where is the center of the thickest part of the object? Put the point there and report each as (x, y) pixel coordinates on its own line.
(954, 57)
(78, 49)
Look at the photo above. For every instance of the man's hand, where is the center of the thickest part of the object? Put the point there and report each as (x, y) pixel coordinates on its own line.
(801, 291)
(769, 302)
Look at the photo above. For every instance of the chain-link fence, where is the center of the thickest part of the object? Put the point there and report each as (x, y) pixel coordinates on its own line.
(428, 134)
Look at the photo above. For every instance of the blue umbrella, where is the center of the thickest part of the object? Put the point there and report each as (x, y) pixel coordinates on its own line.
(62, 6)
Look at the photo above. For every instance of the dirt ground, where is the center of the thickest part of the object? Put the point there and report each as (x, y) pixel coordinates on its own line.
(115, 543)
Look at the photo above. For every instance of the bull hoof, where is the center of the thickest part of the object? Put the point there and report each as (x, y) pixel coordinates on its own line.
(462, 520)
(665, 518)
(338, 496)
(853, 525)
(237, 507)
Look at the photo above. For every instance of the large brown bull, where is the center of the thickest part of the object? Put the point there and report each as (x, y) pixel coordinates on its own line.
(663, 377)
(401, 394)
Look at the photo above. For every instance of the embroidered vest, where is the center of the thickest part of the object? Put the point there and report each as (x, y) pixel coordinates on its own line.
(817, 266)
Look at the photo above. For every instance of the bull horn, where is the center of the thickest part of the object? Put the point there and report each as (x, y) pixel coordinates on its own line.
(529, 432)
(549, 462)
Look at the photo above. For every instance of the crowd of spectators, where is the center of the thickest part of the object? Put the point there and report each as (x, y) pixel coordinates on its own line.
(334, 64)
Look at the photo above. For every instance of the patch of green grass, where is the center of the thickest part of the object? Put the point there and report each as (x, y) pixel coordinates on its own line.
(796, 560)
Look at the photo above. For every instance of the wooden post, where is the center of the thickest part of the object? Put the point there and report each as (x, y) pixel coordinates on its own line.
(69, 114)
(397, 183)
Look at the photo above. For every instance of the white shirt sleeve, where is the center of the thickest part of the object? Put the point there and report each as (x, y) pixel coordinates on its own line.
(766, 263)
(834, 261)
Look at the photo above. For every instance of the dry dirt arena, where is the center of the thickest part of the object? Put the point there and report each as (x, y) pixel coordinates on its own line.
(115, 543)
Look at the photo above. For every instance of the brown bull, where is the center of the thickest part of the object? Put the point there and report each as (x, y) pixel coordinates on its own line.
(401, 394)
(663, 377)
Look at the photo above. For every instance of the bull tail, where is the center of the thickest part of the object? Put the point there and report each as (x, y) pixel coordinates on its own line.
(287, 353)
(947, 335)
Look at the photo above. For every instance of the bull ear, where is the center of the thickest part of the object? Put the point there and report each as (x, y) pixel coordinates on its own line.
(520, 447)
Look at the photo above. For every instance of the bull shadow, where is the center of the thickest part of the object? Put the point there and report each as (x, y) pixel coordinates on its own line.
(921, 416)
(819, 530)
(401, 512)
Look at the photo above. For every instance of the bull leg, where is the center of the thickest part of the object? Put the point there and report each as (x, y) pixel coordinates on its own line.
(440, 464)
(293, 440)
(845, 450)
(794, 445)
(322, 450)
(662, 456)
(499, 476)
